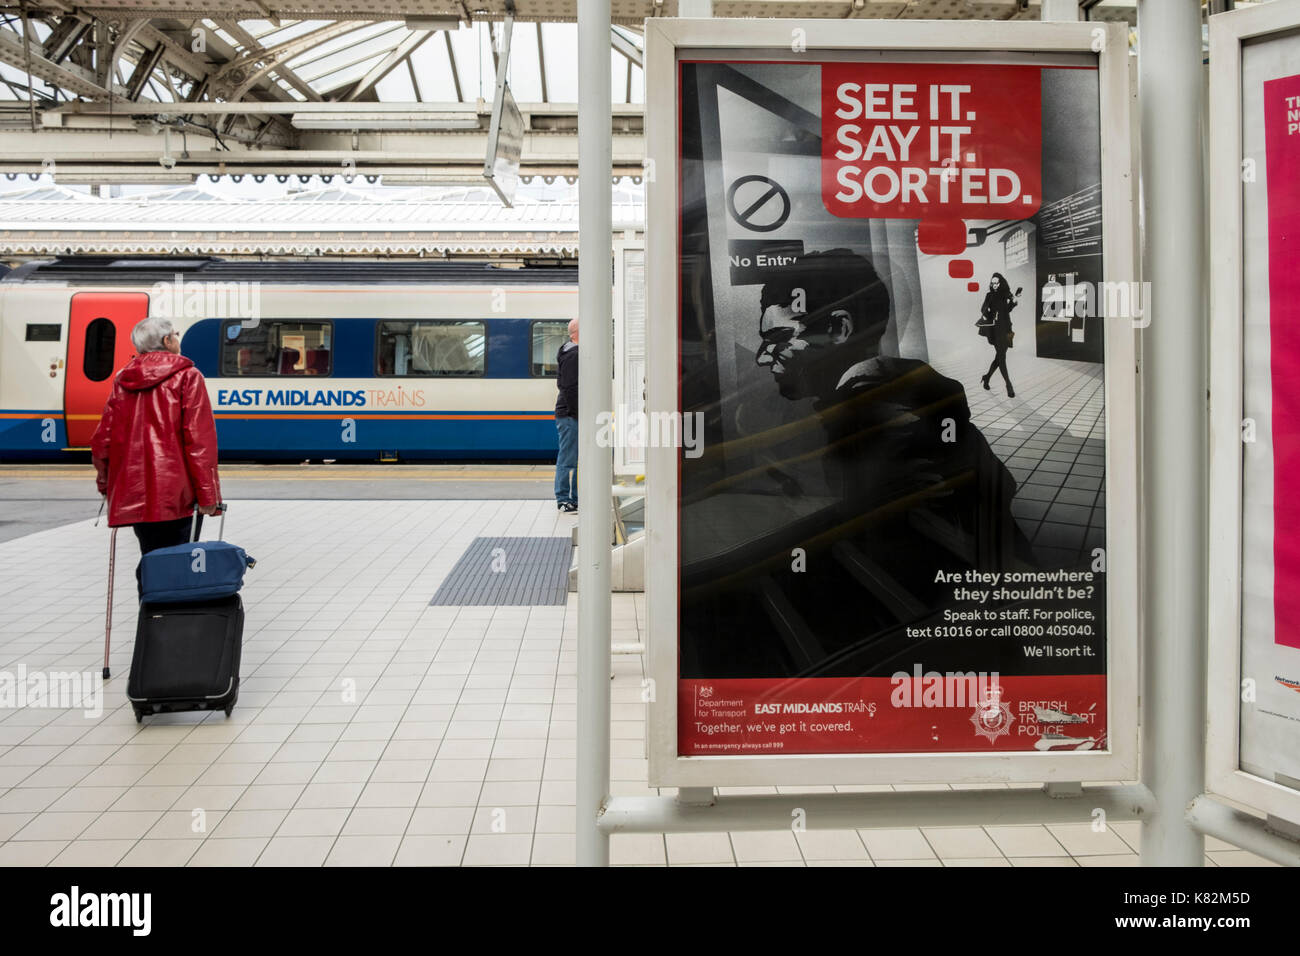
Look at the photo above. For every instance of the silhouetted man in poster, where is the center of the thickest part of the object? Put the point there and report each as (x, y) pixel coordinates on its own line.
(913, 488)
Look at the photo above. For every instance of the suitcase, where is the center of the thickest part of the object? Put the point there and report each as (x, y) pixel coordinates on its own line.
(197, 571)
(187, 657)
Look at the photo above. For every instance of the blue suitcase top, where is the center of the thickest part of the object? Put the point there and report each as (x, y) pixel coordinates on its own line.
(197, 571)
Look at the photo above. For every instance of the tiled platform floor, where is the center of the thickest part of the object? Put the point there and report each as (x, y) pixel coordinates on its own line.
(371, 728)
(1051, 437)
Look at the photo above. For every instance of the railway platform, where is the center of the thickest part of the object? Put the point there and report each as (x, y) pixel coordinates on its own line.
(372, 727)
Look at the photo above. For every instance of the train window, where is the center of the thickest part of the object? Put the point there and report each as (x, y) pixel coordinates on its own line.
(450, 347)
(547, 339)
(43, 332)
(275, 347)
(97, 359)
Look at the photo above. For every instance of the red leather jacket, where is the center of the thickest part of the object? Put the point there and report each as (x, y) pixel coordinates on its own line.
(155, 450)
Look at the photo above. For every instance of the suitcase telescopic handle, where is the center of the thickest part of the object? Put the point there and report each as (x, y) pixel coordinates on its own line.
(194, 522)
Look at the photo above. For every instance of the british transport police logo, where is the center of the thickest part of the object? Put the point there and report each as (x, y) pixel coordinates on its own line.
(992, 717)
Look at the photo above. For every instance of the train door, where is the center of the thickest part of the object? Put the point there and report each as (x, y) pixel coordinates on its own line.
(99, 344)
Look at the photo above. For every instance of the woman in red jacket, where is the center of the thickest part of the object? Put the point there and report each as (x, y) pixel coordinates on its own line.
(155, 450)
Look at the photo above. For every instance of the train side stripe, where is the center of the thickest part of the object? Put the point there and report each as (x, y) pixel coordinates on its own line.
(389, 416)
(257, 416)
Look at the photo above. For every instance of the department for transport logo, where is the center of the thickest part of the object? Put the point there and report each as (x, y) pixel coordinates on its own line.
(992, 716)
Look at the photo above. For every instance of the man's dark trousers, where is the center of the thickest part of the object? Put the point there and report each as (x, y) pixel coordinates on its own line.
(566, 462)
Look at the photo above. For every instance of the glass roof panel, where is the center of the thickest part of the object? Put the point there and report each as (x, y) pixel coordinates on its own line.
(336, 62)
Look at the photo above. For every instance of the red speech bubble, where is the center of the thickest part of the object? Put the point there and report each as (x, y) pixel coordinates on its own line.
(941, 237)
(961, 268)
(935, 141)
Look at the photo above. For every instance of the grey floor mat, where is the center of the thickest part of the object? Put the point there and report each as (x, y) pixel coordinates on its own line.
(509, 571)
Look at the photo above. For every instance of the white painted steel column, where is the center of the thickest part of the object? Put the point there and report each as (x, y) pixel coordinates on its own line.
(697, 9)
(1241, 829)
(1175, 454)
(595, 393)
(698, 810)
(1057, 10)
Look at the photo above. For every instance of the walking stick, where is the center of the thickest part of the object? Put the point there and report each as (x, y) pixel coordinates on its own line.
(108, 612)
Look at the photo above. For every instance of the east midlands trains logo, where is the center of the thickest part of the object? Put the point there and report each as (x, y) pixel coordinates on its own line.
(290, 397)
(992, 716)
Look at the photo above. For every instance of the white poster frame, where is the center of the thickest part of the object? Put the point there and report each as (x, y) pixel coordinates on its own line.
(1224, 775)
(666, 40)
(625, 392)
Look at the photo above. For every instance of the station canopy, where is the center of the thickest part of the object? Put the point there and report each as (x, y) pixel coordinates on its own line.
(400, 91)
(295, 221)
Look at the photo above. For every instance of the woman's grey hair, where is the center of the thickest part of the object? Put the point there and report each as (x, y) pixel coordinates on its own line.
(148, 335)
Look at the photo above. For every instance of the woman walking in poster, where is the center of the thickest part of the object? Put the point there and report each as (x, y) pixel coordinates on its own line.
(995, 325)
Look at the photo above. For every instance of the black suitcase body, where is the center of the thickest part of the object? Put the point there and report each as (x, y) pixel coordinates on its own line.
(187, 657)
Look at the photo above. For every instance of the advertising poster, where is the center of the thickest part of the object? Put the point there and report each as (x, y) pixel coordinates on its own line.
(1270, 572)
(892, 538)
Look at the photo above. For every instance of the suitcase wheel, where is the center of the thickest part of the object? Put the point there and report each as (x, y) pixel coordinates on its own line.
(229, 708)
(139, 715)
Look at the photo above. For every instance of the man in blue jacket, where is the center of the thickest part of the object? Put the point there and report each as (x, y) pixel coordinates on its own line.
(566, 424)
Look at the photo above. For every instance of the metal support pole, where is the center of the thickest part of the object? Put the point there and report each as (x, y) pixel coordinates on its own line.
(697, 809)
(696, 9)
(1241, 829)
(595, 464)
(1173, 355)
(1058, 10)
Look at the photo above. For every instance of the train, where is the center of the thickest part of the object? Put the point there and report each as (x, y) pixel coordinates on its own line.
(347, 361)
